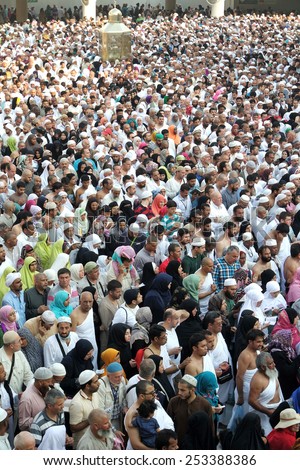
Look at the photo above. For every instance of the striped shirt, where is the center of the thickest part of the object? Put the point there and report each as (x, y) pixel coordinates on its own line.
(41, 423)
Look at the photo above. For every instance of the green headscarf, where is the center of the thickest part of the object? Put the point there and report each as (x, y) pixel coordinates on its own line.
(27, 276)
(191, 283)
(56, 249)
(43, 251)
(3, 288)
(12, 143)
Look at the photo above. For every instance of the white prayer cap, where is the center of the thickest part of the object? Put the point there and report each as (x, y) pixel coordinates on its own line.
(245, 198)
(48, 317)
(280, 197)
(230, 282)
(3, 414)
(58, 369)
(43, 373)
(290, 185)
(272, 181)
(271, 242)
(263, 200)
(247, 236)
(86, 376)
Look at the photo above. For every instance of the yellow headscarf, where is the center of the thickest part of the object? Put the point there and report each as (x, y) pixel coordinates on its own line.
(27, 276)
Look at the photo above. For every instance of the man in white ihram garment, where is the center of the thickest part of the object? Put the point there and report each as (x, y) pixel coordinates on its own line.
(246, 366)
(58, 345)
(220, 356)
(83, 322)
(265, 392)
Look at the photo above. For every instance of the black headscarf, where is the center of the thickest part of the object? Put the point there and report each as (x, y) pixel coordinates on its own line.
(148, 277)
(162, 383)
(248, 434)
(117, 341)
(127, 211)
(179, 295)
(172, 270)
(266, 276)
(188, 327)
(84, 255)
(158, 297)
(200, 434)
(75, 363)
(275, 416)
(245, 324)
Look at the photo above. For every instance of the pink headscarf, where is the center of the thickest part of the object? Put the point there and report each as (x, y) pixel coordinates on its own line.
(124, 252)
(7, 325)
(283, 323)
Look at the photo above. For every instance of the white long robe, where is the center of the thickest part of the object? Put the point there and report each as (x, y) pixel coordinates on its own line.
(265, 397)
(86, 331)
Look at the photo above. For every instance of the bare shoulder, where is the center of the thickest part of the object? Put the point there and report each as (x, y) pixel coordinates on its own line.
(192, 368)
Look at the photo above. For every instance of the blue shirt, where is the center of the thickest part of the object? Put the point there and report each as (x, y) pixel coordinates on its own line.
(16, 302)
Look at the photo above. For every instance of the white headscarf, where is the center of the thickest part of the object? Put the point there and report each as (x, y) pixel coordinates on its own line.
(252, 297)
(90, 241)
(75, 268)
(45, 174)
(54, 438)
(271, 302)
(60, 262)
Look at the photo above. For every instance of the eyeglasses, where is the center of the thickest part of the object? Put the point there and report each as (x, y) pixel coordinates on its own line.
(150, 393)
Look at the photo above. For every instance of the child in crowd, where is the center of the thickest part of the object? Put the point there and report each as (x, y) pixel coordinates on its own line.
(147, 426)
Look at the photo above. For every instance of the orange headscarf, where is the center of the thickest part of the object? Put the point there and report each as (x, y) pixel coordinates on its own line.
(108, 356)
(174, 136)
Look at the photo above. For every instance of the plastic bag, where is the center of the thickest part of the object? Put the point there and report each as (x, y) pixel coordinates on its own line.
(236, 417)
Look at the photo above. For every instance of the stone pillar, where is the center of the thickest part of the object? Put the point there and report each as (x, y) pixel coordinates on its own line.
(89, 9)
(170, 5)
(21, 11)
(217, 9)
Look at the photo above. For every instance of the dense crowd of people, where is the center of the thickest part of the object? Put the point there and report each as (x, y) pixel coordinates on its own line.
(150, 233)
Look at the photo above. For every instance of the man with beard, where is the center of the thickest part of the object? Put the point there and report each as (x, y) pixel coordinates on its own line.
(230, 194)
(185, 404)
(265, 393)
(246, 246)
(83, 403)
(145, 391)
(32, 400)
(227, 239)
(264, 262)
(58, 345)
(99, 434)
(224, 302)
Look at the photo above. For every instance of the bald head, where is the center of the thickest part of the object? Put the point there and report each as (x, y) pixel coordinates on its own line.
(86, 301)
(24, 441)
(97, 416)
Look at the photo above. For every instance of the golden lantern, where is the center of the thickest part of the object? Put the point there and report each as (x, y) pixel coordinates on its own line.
(116, 37)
